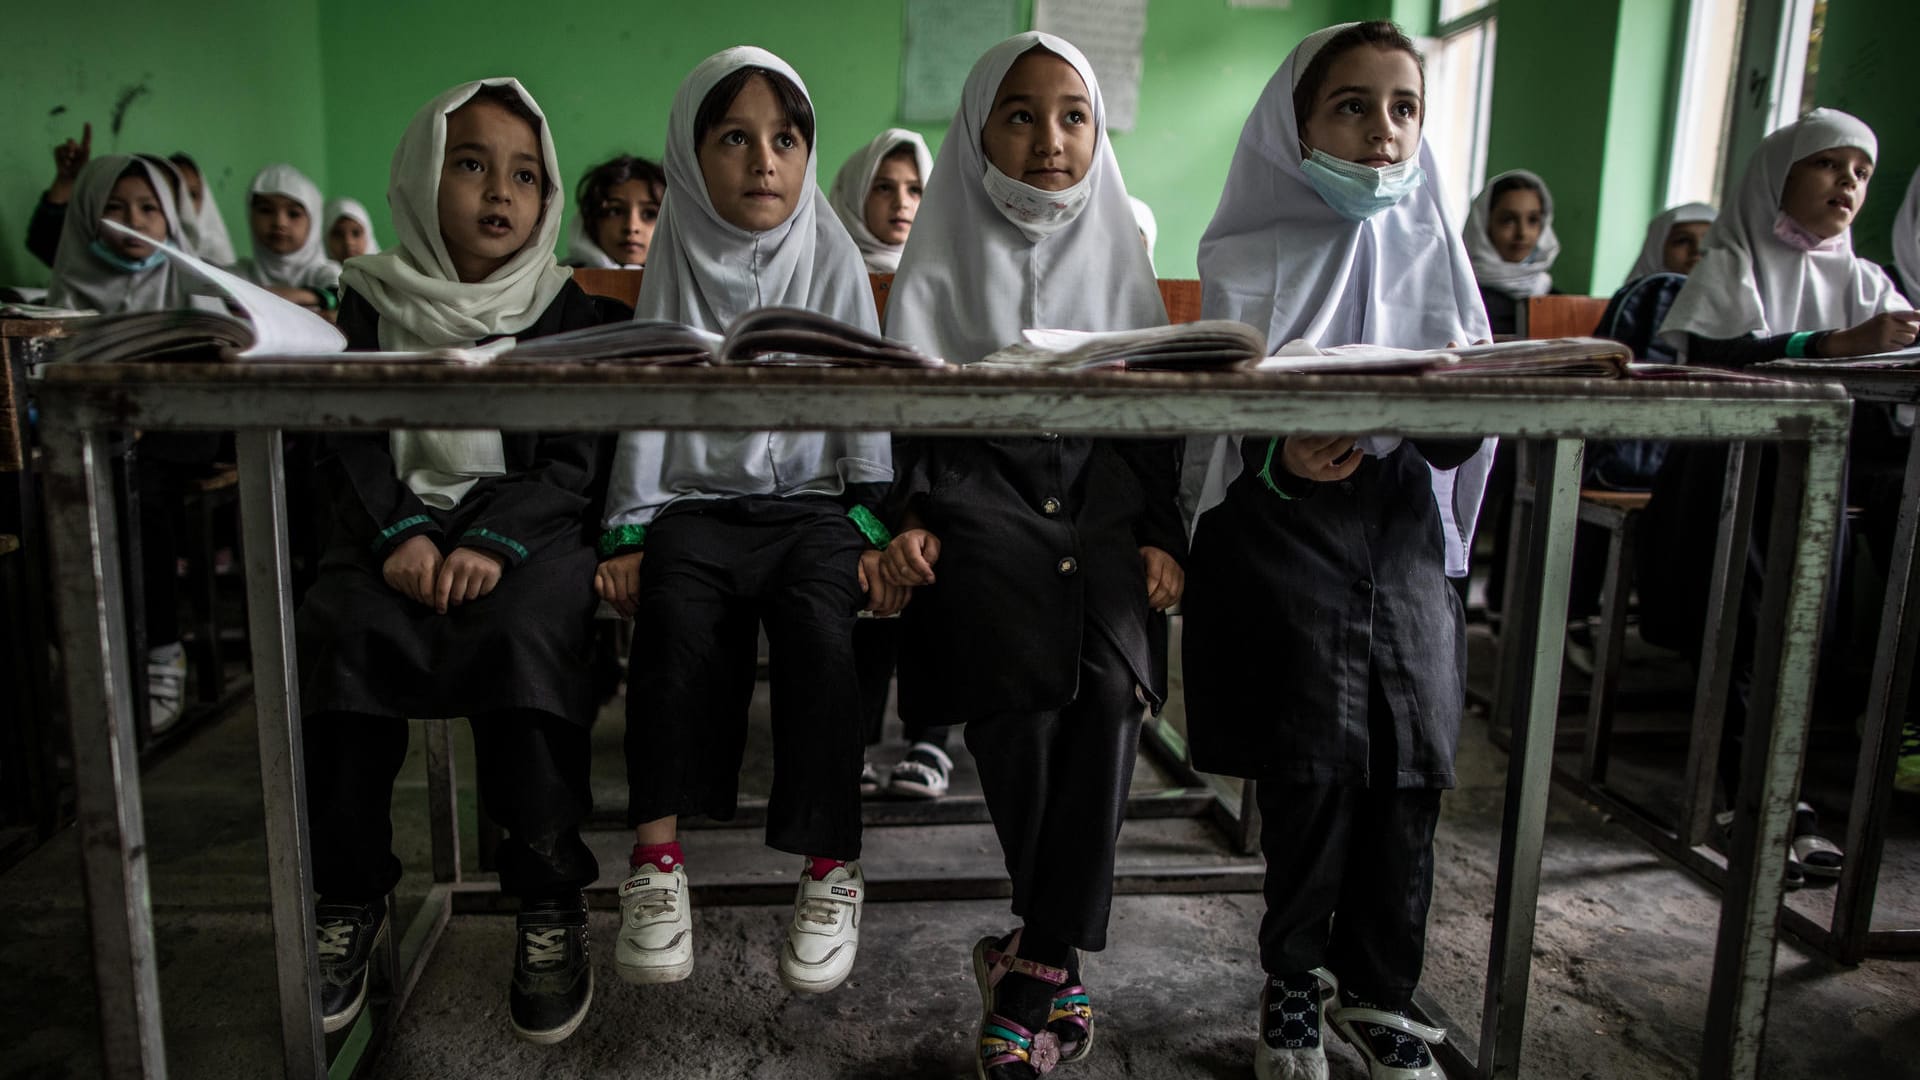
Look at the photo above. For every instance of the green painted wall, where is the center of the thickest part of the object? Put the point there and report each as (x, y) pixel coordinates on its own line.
(1638, 134)
(195, 79)
(1866, 69)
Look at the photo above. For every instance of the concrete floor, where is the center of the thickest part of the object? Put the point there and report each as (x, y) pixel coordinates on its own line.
(1621, 961)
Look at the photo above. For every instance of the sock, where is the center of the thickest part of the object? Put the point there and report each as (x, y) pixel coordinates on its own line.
(665, 856)
(818, 868)
(1022, 998)
(1292, 1017)
(1394, 1049)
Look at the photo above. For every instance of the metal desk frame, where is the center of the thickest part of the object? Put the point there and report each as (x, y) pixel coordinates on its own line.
(82, 403)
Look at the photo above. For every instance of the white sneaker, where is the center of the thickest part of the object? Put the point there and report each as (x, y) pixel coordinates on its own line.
(922, 774)
(166, 685)
(871, 782)
(656, 927)
(825, 933)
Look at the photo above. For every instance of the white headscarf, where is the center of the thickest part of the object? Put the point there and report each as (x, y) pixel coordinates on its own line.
(423, 303)
(1149, 225)
(704, 271)
(306, 267)
(971, 281)
(1906, 235)
(81, 278)
(1653, 254)
(1752, 282)
(204, 228)
(1529, 276)
(1278, 257)
(351, 208)
(855, 179)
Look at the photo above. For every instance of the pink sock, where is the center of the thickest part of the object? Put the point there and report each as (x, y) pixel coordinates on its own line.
(665, 856)
(818, 868)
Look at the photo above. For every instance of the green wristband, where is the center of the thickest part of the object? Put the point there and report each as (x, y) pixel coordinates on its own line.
(870, 527)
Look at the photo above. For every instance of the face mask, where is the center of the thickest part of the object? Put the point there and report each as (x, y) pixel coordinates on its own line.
(1357, 191)
(120, 262)
(1036, 213)
(1794, 235)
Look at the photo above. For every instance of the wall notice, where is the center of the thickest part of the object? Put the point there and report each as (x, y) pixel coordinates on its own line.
(1110, 32)
(942, 40)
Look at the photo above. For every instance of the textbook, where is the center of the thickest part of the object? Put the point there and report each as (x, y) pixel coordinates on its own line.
(1592, 358)
(1207, 345)
(769, 336)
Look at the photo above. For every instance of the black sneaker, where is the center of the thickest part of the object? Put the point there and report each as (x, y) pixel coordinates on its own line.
(552, 974)
(348, 935)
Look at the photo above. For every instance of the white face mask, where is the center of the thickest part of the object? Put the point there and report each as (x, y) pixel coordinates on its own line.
(1036, 213)
(1360, 191)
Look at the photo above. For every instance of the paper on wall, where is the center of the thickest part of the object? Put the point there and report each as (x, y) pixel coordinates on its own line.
(1111, 34)
(942, 39)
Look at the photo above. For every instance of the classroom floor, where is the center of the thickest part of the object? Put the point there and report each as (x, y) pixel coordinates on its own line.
(1622, 954)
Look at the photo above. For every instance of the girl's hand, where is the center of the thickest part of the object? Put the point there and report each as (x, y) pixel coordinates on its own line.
(467, 574)
(1322, 458)
(68, 159)
(1885, 332)
(910, 558)
(411, 569)
(1165, 580)
(883, 597)
(617, 581)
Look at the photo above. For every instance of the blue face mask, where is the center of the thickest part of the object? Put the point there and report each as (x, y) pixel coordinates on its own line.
(1359, 191)
(120, 262)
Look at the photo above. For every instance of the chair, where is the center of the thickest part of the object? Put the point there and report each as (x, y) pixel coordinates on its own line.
(1562, 316)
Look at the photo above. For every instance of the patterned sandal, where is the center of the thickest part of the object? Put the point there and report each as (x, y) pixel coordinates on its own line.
(1007, 1050)
(1070, 1014)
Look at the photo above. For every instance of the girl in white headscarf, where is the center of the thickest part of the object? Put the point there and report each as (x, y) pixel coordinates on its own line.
(739, 527)
(1906, 238)
(200, 218)
(877, 192)
(108, 271)
(1511, 243)
(1676, 241)
(619, 207)
(289, 251)
(1324, 647)
(456, 583)
(349, 230)
(1040, 562)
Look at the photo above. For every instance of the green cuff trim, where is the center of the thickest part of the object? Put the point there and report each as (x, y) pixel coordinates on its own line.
(329, 299)
(1797, 344)
(399, 527)
(1266, 471)
(504, 541)
(622, 536)
(870, 527)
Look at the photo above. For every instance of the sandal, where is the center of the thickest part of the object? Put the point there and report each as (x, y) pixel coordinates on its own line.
(1069, 1014)
(1818, 856)
(1007, 1050)
(1348, 1021)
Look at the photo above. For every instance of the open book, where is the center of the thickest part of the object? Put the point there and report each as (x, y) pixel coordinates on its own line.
(1208, 345)
(1593, 358)
(782, 336)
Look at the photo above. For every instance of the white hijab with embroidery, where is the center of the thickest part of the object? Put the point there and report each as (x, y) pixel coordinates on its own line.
(306, 267)
(352, 208)
(81, 278)
(1278, 257)
(1653, 254)
(1752, 282)
(1530, 276)
(855, 178)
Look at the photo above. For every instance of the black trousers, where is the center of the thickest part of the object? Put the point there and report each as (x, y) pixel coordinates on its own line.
(532, 773)
(710, 578)
(1056, 783)
(876, 652)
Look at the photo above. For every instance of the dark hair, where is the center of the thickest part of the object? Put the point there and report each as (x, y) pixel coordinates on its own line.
(1509, 184)
(185, 161)
(508, 99)
(1378, 33)
(793, 104)
(607, 175)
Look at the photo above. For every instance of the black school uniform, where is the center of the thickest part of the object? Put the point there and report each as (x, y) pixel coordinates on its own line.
(1037, 635)
(516, 661)
(1325, 656)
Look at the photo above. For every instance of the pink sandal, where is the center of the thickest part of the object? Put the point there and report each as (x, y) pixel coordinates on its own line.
(1007, 1050)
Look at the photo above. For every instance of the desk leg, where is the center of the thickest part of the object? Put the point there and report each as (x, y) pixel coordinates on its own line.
(1806, 508)
(83, 536)
(276, 696)
(1537, 618)
(1728, 582)
(1888, 699)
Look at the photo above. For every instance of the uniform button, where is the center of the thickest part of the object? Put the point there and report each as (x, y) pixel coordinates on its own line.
(1363, 586)
(1050, 507)
(1067, 565)
(1050, 436)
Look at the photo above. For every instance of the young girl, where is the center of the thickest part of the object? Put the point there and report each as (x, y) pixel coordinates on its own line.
(712, 533)
(1676, 240)
(206, 230)
(1040, 561)
(109, 271)
(455, 583)
(1324, 649)
(619, 208)
(349, 230)
(877, 192)
(289, 253)
(1511, 243)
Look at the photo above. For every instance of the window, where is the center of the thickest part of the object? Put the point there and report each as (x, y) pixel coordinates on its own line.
(1460, 97)
(1706, 94)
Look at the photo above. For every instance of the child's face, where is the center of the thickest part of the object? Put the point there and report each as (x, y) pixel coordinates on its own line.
(280, 223)
(1686, 243)
(196, 184)
(624, 228)
(346, 237)
(893, 199)
(492, 187)
(1514, 223)
(1370, 109)
(1825, 190)
(1041, 130)
(754, 161)
(133, 203)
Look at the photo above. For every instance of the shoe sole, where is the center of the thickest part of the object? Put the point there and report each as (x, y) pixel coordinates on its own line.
(554, 1035)
(654, 974)
(344, 1019)
(806, 986)
(909, 789)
